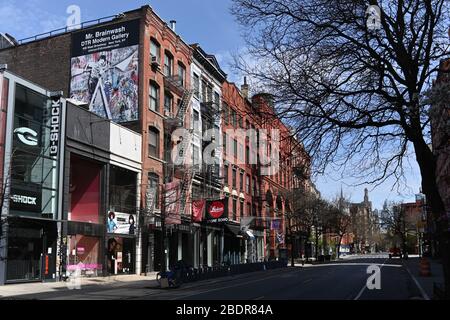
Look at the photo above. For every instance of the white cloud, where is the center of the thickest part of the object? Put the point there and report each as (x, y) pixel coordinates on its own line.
(27, 18)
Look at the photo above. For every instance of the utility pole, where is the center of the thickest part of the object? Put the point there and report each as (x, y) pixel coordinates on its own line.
(163, 220)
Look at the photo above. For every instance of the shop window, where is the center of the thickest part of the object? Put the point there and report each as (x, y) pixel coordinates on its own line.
(84, 253)
(84, 190)
(123, 190)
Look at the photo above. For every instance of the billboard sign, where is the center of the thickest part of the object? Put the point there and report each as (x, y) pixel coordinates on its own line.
(121, 223)
(105, 71)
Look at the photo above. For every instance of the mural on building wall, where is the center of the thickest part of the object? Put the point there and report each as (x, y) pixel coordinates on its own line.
(105, 70)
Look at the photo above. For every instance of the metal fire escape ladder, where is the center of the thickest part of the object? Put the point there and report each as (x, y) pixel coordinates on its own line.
(185, 103)
(185, 188)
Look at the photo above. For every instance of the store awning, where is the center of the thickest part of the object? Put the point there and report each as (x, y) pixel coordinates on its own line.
(235, 230)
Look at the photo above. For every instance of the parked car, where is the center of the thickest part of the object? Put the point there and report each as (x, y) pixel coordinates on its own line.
(395, 252)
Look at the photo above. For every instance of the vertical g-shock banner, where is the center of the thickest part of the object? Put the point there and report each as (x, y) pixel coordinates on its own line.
(104, 70)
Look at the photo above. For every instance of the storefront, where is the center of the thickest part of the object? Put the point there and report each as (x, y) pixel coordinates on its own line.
(85, 232)
(102, 210)
(31, 180)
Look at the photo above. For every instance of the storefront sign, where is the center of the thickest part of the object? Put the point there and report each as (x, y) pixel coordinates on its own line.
(275, 225)
(104, 70)
(198, 207)
(55, 127)
(27, 136)
(216, 211)
(150, 198)
(24, 200)
(172, 198)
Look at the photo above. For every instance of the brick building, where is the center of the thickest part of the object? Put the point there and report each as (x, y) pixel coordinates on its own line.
(440, 133)
(134, 70)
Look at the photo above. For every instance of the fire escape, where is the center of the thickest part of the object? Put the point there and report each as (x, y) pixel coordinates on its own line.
(209, 176)
(180, 169)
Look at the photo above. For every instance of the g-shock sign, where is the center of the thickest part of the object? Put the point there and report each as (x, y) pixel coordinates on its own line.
(55, 125)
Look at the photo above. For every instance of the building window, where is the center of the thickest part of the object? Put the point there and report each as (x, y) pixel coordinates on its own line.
(226, 113)
(195, 155)
(168, 64)
(241, 122)
(182, 74)
(155, 50)
(154, 97)
(153, 142)
(241, 207)
(235, 148)
(204, 94)
(217, 99)
(241, 181)
(247, 155)
(234, 209)
(196, 118)
(153, 182)
(168, 103)
(249, 209)
(248, 187)
(209, 93)
(234, 178)
(225, 138)
(225, 174)
(196, 86)
(233, 118)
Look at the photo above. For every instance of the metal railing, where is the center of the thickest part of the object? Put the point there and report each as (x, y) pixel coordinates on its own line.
(64, 30)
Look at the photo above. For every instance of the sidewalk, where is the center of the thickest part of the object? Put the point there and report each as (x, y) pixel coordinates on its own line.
(12, 290)
(425, 284)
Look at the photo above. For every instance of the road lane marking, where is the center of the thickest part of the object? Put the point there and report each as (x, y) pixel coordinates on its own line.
(233, 286)
(365, 284)
(424, 294)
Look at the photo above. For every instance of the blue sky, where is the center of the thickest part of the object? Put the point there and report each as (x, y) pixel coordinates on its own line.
(206, 22)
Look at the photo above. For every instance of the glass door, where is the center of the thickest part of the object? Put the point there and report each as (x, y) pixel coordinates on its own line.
(25, 253)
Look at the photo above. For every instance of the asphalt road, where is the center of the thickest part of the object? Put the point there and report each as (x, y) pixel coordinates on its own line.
(345, 280)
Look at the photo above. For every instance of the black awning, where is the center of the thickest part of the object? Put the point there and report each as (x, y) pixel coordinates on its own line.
(234, 230)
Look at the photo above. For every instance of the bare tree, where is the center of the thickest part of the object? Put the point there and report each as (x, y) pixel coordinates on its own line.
(354, 90)
(340, 221)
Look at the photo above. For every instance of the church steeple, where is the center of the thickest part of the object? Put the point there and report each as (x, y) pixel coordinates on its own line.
(366, 195)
